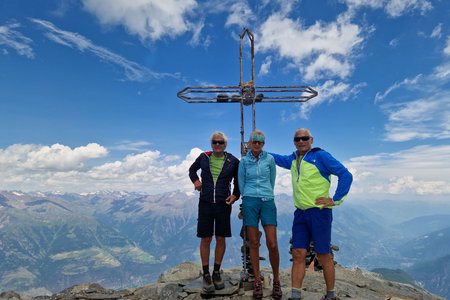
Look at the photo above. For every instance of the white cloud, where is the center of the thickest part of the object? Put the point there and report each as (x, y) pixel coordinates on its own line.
(362, 3)
(328, 64)
(394, 8)
(420, 119)
(399, 185)
(62, 7)
(403, 84)
(240, 14)
(415, 113)
(11, 38)
(441, 73)
(265, 66)
(283, 181)
(197, 38)
(138, 146)
(394, 43)
(133, 71)
(419, 171)
(148, 19)
(58, 167)
(447, 47)
(318, 51)
(328, 92)
(437, 31)
(56, 157)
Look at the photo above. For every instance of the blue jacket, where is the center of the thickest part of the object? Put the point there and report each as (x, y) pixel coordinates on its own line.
(257, 176)
(218, 192)
(311, 177)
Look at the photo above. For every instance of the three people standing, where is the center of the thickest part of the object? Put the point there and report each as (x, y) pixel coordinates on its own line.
(311, 170)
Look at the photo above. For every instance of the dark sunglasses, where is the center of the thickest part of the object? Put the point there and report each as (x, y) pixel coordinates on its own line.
(216, 142)
(301, 138)
(257, 142)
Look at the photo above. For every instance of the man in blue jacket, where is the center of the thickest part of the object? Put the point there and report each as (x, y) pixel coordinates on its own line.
(311, 170)
(218, 170)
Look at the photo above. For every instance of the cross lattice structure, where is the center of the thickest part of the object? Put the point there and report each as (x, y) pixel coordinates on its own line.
(246, 94)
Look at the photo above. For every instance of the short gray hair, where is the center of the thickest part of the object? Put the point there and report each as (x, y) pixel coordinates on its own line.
(303, 129)
(219, 133)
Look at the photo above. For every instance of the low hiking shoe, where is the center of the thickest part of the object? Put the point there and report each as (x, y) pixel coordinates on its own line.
(217, 280)
(208, 286)
(276, 290)
(257, 289)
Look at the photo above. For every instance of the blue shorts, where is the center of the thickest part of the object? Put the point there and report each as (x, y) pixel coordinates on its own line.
(312, 224)
(255, 209)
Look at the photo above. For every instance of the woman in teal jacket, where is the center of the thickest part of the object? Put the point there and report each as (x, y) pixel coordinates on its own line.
(256, 179)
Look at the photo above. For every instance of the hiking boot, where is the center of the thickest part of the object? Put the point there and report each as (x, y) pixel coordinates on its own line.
(257, 289)
(208, 286)
(276, 290)
(217, 280)
(328, 298)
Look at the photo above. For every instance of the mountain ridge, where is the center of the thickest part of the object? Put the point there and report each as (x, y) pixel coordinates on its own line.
(139, 236)
(184, 282)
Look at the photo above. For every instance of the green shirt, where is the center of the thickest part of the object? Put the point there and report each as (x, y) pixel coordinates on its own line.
(216, 164)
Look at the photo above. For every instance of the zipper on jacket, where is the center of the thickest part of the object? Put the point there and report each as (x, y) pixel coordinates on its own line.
(258, 172)
(299, 165)
(214, 183)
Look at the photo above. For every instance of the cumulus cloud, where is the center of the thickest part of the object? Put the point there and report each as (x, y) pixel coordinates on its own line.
(422, 170)
(133, 71)
(417, 171)
(318, 51)
(148, 19)
(11, 38)
(56, 157)
(60, 168)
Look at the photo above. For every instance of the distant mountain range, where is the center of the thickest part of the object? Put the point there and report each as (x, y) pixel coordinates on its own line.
(49, 241)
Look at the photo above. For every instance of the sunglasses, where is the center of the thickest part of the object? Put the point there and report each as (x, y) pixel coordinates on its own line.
(257, 142)
(301, 138)
(216, 142)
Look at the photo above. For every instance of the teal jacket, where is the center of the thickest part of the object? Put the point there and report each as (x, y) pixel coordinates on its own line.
(311, 177)
(256, 177)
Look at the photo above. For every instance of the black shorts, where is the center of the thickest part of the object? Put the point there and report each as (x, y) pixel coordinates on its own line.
(213, 219)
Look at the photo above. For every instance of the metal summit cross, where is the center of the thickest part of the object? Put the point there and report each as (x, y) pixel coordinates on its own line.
(246, 93)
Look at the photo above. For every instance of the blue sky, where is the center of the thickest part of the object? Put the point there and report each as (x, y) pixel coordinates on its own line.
(88, 90)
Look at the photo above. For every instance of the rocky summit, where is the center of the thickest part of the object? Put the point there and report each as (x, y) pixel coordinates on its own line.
(185, 282)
